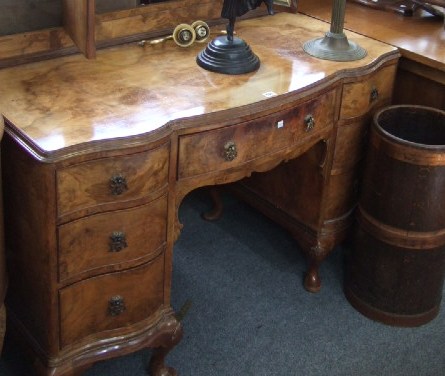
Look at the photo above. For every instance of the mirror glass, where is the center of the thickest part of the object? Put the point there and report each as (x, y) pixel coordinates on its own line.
(19, 16)
(103, 6)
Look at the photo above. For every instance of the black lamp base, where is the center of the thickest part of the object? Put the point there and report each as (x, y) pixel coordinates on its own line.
(228, 57)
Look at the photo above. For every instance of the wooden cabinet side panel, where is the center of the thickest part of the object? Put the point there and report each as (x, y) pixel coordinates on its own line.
(349, 151)
(351, 144)
(412, 88)
(29, 192)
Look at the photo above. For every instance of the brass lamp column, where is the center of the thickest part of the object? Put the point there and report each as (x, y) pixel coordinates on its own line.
(335, 45)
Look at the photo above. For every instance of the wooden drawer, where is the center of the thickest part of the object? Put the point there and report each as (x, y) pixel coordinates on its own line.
(87, 309)
(359, 97)
(211, 151)
(111, 179)
(112, 240)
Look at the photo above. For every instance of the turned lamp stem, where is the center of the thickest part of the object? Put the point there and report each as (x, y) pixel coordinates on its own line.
(338, 16)
(335, 45)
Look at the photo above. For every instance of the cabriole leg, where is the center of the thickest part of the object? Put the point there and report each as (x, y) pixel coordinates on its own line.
(169, 337)
(217, 209)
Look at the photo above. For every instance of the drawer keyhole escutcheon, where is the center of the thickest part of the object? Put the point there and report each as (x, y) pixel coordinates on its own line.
(118, 241)
(116, 305)
(310, 122)
(374, 95)
(118, 185)
(230, 152)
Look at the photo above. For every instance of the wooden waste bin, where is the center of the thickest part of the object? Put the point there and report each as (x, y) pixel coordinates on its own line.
(395, 271)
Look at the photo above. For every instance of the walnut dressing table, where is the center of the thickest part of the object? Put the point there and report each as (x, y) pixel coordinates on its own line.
(98, 155)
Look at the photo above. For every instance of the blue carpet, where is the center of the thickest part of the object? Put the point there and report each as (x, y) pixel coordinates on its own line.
(250, 316)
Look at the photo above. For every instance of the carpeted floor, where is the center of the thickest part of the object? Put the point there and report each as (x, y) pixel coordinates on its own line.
(250, 316)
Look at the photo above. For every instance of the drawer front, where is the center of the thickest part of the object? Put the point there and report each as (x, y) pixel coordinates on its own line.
(111, 179)
(235, 145)
(111, 301)
(112, 240)
(359, 97)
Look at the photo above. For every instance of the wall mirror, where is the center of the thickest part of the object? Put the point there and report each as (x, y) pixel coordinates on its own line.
(19, 16)
(104, 6)
(37, 29)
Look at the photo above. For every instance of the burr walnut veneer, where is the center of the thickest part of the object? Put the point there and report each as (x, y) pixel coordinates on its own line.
(98, 155)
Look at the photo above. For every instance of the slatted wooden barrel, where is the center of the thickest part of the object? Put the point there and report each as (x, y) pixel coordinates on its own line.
(396, 268)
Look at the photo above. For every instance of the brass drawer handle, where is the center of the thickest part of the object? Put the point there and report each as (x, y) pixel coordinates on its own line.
(310, 122)
(230, 152)
(374, 95)
(118, 185)
(116, 305)
(118, 241)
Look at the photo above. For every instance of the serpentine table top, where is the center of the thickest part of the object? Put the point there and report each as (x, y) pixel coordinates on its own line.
(71, 104)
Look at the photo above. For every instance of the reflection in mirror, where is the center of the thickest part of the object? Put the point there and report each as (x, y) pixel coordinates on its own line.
(145, 2)
(19, 16)
(103, 6)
